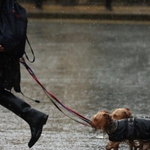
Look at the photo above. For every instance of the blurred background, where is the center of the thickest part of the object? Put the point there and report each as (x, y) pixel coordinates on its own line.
(93, 2)
(89, 9)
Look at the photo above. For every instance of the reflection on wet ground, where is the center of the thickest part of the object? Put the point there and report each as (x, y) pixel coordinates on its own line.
(89, 67)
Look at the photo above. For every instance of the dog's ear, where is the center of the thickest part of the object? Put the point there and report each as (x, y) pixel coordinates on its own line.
(114, 116)
(107, 119)
(127, 109)
(125, 115)
(106, 115)
(129, 114)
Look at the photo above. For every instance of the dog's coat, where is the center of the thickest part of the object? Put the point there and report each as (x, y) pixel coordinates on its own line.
(130, 129)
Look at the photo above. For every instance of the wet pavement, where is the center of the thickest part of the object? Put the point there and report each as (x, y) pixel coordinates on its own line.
(89, 66)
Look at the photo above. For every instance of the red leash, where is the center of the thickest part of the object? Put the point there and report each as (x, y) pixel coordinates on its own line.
(54, 99)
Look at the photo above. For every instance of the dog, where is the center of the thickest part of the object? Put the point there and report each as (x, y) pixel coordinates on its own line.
(121, 113)
(130, 129)
(117, 114)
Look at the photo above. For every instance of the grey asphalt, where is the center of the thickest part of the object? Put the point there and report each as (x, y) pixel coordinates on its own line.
(136, 13)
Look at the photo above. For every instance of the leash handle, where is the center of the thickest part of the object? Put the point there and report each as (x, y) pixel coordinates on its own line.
(33, 59)
(52, 97)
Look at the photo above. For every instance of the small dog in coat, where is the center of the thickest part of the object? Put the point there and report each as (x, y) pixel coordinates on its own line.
(122, 130)
(117, 114)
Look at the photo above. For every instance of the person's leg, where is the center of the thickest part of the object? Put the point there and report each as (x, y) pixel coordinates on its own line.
(39, 4)
(108, 5)
(34, 118)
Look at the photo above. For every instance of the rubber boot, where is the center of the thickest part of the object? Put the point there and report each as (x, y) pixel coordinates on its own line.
(34, 118)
